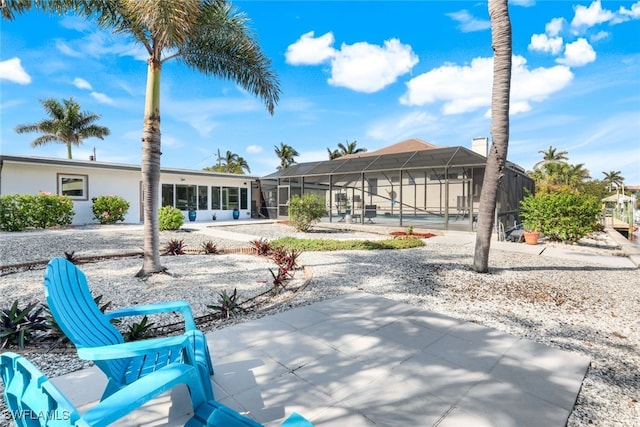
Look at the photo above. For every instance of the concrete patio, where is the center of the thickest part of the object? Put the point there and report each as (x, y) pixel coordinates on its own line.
(363, 360)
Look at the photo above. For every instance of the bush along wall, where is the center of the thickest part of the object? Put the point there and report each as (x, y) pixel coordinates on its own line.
(21, 211)
(109, 209)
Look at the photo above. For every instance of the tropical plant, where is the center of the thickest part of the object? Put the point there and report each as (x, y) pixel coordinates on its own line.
(565, 215)
(333, 154)
(174, 247)
(206, 35)
(350, 148)
(286, 154)
(261, 246)
(19, 326)
(66, 124)
(170, 218)
(109, 209)
(501, 41)
(613, 177)
(228, 305)
(137, 331)
(552, 155)
(210, 248)
(20, 211)
(231, 163)
(305, 210)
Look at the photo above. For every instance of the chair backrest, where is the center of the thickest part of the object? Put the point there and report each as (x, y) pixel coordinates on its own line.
(33, 400)
(75, 311)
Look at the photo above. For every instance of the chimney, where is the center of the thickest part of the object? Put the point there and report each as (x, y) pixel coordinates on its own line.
(480, 145)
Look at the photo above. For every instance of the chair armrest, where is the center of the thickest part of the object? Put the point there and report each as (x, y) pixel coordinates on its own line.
(164, 307)
(133, 349)
(134, 395)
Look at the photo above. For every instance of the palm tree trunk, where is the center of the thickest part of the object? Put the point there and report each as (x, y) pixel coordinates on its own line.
(494, 170)
(151, 171)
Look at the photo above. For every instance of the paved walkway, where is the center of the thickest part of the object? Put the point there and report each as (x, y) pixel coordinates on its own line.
(363, 360)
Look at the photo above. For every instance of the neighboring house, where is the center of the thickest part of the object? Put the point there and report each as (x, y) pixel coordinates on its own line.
(412, 182)
(205, 192)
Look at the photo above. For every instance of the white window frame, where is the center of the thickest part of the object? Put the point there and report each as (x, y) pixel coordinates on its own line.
(85, 185)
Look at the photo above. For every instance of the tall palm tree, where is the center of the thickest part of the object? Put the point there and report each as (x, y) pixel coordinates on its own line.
(613, 177)
(231, 163)
(66, 124)
(350, 148)
(501, 41)
(551, 156)
(286, 154)
(208, 36)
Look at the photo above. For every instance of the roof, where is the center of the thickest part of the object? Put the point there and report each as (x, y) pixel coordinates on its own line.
(112, 166)
(406, 146)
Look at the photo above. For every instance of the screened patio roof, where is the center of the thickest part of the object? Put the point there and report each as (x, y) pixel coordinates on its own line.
(366, 163)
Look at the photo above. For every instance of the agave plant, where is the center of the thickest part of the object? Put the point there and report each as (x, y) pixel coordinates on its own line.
(228, 305)
(138, 331)
(19, 326)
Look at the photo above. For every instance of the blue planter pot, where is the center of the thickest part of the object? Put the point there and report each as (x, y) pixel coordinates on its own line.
(192, 215)
(236, 214)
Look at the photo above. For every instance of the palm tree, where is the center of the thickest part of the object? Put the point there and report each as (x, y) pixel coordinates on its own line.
(501, 41)
(286, 154)
(66, 125)
(613, 177)
(208, 36)
(551, 156)
(232, 163)
(350, 148)
(333, 154)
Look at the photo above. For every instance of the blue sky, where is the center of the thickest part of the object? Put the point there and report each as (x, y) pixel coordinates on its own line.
(377, 72)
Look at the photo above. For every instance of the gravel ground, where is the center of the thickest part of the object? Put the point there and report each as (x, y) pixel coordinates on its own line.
(578, 306)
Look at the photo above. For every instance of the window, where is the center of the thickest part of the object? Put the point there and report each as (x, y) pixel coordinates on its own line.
(185, 197)
(229, 198)
(203, 197)
(244, 198)
(74, 186)
(215, 198)
(167, 194)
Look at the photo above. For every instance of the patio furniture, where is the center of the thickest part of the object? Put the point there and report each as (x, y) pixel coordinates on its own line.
(96, 339)
(370, 211)
(33, 400)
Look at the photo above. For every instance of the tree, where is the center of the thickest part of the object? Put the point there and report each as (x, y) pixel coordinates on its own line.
(206, 35)
(232, 163)
(333, 154)
(286, 154)
(66, 125)
(342, 150)
(501, 40)
(553, 155)
(613, 177)
(350, 148)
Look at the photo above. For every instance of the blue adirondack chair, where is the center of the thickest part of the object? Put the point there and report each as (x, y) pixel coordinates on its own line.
(96, 339)
(33, 400)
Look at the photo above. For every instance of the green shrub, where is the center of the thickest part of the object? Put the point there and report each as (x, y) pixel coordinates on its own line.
(305, 211)
(20, 211)
(170, 218)
(109, 209)
(565, 216)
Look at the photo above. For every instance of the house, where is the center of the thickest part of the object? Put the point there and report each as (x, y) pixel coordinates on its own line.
(205, 192)
(412, 183)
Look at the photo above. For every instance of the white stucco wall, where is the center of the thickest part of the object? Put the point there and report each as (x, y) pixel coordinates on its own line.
(31, 176)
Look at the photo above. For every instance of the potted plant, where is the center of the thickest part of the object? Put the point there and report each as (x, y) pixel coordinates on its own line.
(192, 213)
(533, 218)
(236, 213)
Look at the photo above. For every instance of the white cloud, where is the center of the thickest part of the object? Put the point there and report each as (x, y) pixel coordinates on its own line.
(310, 50)
(12, 70)
(542, 43)
(254, 149)
(554, 27)
(368, 68)
(633, 13)
(81, 83)
(468, 23)
(590, 16)
(102, 98)
(467, 88)
(577, 54)
(67, 50)
(600, 35)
